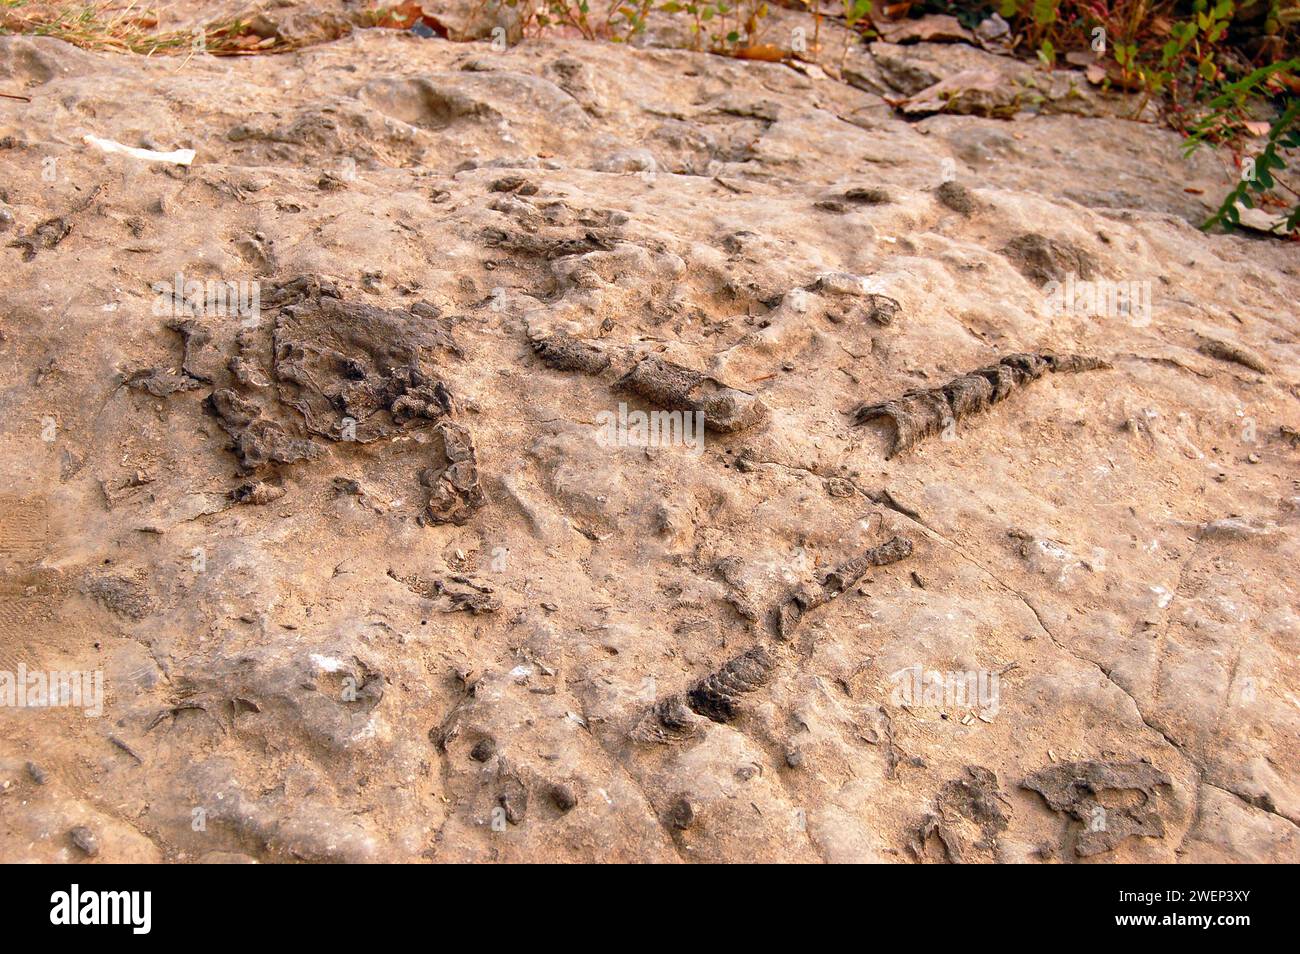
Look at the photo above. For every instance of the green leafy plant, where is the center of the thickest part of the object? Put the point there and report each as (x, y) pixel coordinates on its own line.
(1184, 56)
(855, 11)
(1155, 51)
(718, 26)
(1259, 172)
(626, 20)
(1039, 18)
(543, 14)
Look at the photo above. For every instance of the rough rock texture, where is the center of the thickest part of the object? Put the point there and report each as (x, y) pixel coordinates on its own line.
(969, 816)
(281, 681)
(921, 414)
(1086, 791)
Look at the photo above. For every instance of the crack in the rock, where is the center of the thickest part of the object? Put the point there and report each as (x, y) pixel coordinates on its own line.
(1253, 804)
(1052, 637)
(956, 549)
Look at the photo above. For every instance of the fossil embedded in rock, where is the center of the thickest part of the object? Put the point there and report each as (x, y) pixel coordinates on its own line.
(659, 381)
(563, 352)
(298, 289)
(550, 243)
(717, 695)
(786, 616)
(453, 482)
(85, 840)
(669, 719)
(849, 300)
(682, 815)
(513, 795)
(1237, 354)
(678, 388)
(1044, 260)
(973, 800)
(850, 571)
(46, 235)
(256, 492)
(867, 195)
(258, 440)
(161, 382)
(342, 366)
(462, 593)
(956, 197)
(919, 414)
(1076, 789)
(933, 826)
(562, 796)
(351, 372)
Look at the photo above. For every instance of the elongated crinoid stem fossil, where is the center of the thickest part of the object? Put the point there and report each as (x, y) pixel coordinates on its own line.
(563, 352)
(917, 415)
(785, 617)
(679, 388)
(659, 381)
(717, 695)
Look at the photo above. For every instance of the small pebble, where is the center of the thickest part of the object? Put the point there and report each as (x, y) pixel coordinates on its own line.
(867, 196)
(956, 197)
(515, 805)
(85, 839)
(682, 815)
(483, 750)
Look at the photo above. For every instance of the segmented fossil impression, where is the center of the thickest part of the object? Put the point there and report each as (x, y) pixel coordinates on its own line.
(678, 388)
(670, 718)
(717, 695)
(785, 617)
(661, 382)
(1236, 353)
(919, 414)
(563, 352)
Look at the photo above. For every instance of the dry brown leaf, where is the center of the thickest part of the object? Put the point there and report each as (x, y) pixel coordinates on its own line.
(935, 28)
(762, 51)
